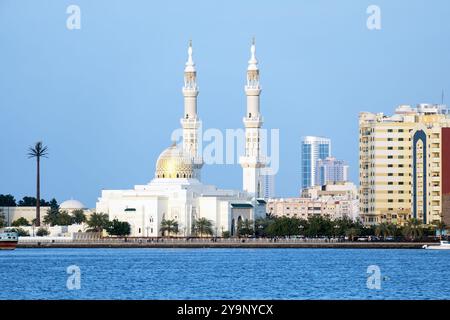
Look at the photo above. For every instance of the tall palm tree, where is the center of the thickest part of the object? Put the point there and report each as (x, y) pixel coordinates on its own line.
(38, 151)
(202, 226)
(169, 226)
(98, 221)
(385, 229)
(413, 229)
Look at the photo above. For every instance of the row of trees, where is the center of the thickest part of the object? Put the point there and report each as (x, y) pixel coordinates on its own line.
(313, 227)
(57, 217)
(97, 222)
(324, 227)
(8, 200)
(201, 227)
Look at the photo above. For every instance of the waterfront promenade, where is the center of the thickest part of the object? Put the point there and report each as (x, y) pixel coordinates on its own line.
(42, 242)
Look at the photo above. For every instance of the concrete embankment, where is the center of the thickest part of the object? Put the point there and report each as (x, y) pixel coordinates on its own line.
(211, 244)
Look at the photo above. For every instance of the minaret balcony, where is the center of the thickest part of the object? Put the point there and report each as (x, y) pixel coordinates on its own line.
(190, 123)
(253, 162)
(190, 91)
(253, 122)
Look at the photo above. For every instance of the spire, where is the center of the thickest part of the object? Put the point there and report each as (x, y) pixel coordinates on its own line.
(190, 74)
(252, 70)
(253, 63)
(190, 65)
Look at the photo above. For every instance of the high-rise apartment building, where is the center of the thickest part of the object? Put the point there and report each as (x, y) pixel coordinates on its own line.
(395, 161)
(312, 149)
(331, 170)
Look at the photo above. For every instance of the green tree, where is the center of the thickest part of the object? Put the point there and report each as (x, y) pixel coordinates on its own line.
(78, 216)
(386, 229)
(439, 226)
(262, 224)
(38, 151)
(7, 200)
(53, 204)
(64, 218)
(169, 227)
(27, 202)
(20, 232)
(284, 227)
(226, 234)
(202, 226)
(42, 232)
(2, 220)
(245, 228)
(319, 226)
(51, 218)
(341, 225)
(119, 228)
(413, 229)
(31, 202)
(20, 222)
(352, 233)
(97, 222)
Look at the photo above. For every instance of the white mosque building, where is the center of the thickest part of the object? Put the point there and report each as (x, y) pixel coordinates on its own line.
(177, 193)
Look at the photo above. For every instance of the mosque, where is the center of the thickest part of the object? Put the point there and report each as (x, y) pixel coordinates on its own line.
(177, 193)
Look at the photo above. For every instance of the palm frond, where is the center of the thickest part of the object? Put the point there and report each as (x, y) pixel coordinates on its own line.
(38, 150)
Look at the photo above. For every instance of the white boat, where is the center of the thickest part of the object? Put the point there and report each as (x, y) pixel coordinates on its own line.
(444, 245)
(8, 240)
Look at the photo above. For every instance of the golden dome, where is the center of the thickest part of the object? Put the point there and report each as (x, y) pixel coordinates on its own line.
(172, 164)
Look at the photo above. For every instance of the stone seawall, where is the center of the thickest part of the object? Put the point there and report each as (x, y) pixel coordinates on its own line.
(207, 244)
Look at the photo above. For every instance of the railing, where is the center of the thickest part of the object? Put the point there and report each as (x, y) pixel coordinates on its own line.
(198, 241)
(133, 240)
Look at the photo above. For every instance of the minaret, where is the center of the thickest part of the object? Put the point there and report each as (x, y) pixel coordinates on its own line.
(190, 121)
(253, 161)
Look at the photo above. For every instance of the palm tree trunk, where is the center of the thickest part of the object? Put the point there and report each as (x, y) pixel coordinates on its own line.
(38, 195)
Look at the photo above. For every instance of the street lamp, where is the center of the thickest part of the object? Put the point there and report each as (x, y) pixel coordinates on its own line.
(300, 229)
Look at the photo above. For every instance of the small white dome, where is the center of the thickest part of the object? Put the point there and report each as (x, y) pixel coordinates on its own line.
(72, 204)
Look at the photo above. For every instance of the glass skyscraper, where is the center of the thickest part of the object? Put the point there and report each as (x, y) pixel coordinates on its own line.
(312, 149)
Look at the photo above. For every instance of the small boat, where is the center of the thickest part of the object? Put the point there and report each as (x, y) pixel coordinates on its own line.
(444, 245)
(8, 240)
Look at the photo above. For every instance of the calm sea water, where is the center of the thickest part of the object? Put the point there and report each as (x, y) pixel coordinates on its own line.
(224, 274)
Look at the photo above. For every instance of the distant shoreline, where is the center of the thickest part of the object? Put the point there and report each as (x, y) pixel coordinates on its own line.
(237, 245)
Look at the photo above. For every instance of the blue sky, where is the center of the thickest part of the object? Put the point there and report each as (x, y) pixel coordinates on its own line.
(106, 98)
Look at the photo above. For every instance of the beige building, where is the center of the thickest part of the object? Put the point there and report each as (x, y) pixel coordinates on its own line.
(386, 161)
(13, 213)
(431, 169)
(333, 201)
